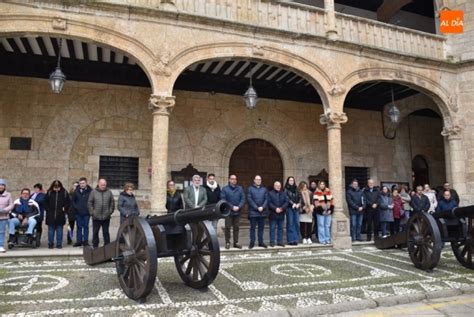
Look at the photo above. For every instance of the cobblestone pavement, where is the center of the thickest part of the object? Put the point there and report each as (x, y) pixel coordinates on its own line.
(251, 282)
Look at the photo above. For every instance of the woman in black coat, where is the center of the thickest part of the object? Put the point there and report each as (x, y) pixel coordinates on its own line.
(56, 204)
(174, 202)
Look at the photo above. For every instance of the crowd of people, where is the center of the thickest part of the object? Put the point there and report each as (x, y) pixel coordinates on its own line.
(57, 207)
(305, 209)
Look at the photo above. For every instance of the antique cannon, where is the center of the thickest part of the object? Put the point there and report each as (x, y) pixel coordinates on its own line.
(426, 234)
(187, 235)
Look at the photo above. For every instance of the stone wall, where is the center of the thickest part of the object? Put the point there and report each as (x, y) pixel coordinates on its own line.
(70, 131)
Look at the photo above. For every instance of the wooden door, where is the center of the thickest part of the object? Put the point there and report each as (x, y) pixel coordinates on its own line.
(252, 157)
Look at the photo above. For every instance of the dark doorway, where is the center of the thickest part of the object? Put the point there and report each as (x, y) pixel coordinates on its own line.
(420, 170)
(252, 157)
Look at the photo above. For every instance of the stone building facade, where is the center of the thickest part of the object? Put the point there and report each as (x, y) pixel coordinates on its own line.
(168, 128)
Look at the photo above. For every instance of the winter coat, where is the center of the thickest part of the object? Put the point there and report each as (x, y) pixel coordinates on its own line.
(39, 198)
(235, 196)
(28, 208)
(397, 207)
(432, 199)
(385, 212)
(370, 197)
(454, 195)
(6, 205)
(189, 197)
(306, 208)
(294, 196)
(321, 199)
(446, 205)
(257, 197)
(213, 196)
(174, 203)
(101, 204)
(56, 205)
(79, 200)
(420, 204)
(406, 198)
(277, 199)
(127, 205)
(354, 200)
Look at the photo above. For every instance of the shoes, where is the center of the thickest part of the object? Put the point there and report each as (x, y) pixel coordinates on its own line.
(251, 245)
(50, 246)
(237, 246)
(308, 241)
(281, 245)
(227, 245)
(305, 241)
(360, 240)
(263, 245)
(385, 236)
(69, 242)
(85, 243)
(59, 247)
(272, 244)
(2, 250)
(293, 243)
(77, 244)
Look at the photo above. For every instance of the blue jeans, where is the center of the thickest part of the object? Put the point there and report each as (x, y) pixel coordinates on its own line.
(384, 227)
(58, 230)
(3, 225)
(278, 222)
(253, 224)
(82, 223)
(324, 228)
(292, 225)
(15, 222)
(356, 225)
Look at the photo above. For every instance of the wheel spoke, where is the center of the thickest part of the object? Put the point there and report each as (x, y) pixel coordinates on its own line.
(204, 261)
(184, 259)
(141, 255)
(133, 232)
(195, 269)
(190, 266)
(205, 252)
(140, 242)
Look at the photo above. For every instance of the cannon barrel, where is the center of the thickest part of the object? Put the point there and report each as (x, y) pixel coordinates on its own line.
(458, 212)
(209, 212)
(464, 212)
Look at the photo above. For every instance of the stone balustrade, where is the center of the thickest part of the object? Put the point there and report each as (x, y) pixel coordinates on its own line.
(303, 19)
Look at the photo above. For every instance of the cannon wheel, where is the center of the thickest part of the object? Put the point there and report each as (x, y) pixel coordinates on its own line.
(464, 248)
(136, 258)
(199, 267)
(424, 241)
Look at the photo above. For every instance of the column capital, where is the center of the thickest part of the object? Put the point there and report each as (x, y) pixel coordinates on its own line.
(333, 120)
(452, 131)
(161, 104)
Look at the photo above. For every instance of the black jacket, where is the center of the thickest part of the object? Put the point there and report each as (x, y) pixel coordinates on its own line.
(56, 205)
(454, 195)
(277, 200)
(213, 196)
(79, 200)
(294, 196)
(174, 203)
(354, 200)
(370, 198)
(420, 204)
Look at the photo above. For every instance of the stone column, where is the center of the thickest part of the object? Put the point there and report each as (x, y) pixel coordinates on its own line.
(161, 106)
(340, 222)
(447, 159)
(331, 31)
(456, 155)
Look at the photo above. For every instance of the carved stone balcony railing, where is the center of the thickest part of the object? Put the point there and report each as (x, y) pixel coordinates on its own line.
(302, 19)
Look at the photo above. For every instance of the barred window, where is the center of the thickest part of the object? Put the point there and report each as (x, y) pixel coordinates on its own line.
(20, 143)
(118, 170)
(359, 173)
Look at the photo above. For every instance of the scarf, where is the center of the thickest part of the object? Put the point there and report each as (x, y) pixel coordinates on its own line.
(212, 187)
(23, 207)
(1, 193)
(307, 201)
(291, 188)
(171, 192)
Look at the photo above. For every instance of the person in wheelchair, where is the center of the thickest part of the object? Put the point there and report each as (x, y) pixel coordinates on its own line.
(25, 212)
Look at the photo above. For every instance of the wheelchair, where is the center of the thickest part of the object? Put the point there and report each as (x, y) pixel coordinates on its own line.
(21, 239)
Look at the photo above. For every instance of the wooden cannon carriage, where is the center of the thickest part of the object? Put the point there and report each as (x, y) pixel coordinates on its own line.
(187, 235)
(426, 234)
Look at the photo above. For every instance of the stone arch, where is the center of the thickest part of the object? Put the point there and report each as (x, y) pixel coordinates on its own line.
(445, 101)
(28, 24)
(283, 148)
(312, 72)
